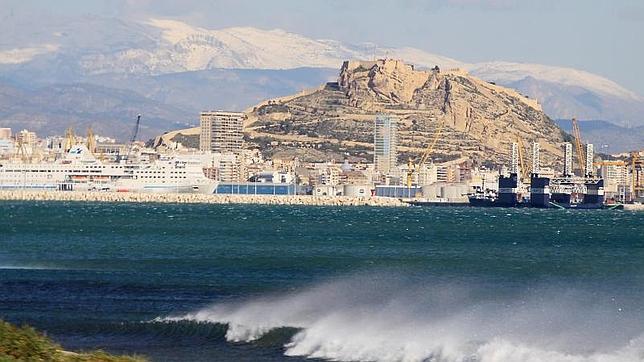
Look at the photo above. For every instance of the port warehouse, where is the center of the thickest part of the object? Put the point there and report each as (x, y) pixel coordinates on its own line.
(453, 191)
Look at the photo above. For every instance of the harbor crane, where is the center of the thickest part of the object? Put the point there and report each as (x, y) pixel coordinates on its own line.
(414, 168)
(91, 140)
(21, 151)
(579, 146)
(70, 139)
(135, 133)
(525, 175)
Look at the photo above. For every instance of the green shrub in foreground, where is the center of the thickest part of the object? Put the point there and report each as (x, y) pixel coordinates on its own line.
(26, 344)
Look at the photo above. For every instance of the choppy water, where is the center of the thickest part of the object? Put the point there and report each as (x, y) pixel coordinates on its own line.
(268, 283)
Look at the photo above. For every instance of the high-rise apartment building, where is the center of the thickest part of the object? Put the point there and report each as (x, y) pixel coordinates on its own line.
(536, 159)
(568, 171)
(385, 143)
(615, 178)
(590, 157)
(5, 133)
(221, 131)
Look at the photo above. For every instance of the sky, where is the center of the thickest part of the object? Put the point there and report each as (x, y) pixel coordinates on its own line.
(600, 36)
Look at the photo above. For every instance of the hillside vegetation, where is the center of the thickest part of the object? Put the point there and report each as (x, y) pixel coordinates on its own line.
(26, 344)
(471, 118)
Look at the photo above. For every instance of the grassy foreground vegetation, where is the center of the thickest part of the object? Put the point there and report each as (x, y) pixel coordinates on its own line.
(27, 344)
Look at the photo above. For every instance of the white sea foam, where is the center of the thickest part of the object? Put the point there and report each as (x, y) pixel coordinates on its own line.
(378, 318)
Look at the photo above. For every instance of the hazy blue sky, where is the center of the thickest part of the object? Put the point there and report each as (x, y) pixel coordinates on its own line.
(601, 36)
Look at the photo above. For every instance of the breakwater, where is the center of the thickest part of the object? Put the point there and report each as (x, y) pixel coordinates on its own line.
(95, 196)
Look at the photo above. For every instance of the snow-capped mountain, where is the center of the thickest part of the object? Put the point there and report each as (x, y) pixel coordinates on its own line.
(181, 47)
(507, 72)
(87, 48)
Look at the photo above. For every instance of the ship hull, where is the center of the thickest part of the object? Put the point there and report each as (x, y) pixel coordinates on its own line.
(483, 202)
(161, 189)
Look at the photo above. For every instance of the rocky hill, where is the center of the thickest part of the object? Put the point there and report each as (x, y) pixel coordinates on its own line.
(479, 119)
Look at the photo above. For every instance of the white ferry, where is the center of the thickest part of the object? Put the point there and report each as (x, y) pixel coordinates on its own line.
(80, 170)
(177, 174)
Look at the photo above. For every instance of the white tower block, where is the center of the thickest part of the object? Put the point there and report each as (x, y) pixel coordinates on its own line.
(514, 163)
(589, 159)
(567, 159)
(535, 158)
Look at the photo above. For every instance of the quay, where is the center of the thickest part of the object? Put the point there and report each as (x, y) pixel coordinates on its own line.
(634, 207)
(103, 196)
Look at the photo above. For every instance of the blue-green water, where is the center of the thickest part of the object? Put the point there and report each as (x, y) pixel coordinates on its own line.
(267, 283)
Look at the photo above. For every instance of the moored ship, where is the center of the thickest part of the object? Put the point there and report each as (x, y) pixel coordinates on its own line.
(564, 192)
(80, 170)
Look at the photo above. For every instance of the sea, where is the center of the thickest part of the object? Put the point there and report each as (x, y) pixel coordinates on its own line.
(196, 282)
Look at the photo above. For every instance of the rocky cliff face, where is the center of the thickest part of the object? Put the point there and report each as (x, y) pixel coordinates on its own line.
(479, 120)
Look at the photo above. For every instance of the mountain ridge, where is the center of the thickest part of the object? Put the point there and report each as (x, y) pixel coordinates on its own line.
(111, 112)
(125, 55)
(164, 46)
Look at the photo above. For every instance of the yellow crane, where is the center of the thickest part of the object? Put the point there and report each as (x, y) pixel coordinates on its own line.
(525, 175)
(70, 139)
(21, 151)
(91, 140)
(579, 146)
(610, 163)
(412, 167)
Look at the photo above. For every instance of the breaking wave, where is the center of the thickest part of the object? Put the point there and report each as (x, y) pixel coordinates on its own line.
(389, 318)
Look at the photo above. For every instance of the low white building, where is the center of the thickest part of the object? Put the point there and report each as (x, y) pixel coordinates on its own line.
(6, 147)
(328, 190)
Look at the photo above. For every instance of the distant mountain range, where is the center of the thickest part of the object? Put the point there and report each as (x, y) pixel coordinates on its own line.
(110, 103)
(607, 137)
(187, 69)
(52, 109)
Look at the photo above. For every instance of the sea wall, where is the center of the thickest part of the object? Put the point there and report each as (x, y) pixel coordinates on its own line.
(95, 196)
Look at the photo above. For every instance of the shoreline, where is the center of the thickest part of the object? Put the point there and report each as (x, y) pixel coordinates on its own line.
(634, 207)
(103, 196)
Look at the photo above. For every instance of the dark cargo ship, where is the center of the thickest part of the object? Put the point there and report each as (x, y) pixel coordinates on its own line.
(563, 196)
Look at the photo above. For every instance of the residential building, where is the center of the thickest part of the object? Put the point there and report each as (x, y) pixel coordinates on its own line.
(329, 176)
(5, 133)
(222, 131)
(448, 173)
(385, 143)
(6, 147)
(427, 174)
(616, 179)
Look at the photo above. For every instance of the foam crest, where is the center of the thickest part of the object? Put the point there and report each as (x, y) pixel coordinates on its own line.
(389, 318)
